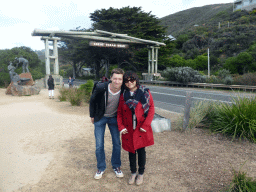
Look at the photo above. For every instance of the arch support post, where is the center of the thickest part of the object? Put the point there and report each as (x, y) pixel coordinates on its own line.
(55, 74)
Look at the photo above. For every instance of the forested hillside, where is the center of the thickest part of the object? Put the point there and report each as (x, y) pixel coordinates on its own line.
(186, 19)
(232, 44)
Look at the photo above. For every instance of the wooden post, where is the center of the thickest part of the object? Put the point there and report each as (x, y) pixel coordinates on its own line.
(208, 63)
(47, 59)
(55, 54)
(153, 60)
(156, 59)
(187, 109)
(149, 60)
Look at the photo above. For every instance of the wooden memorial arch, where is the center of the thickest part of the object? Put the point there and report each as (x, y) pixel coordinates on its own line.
(101, 39)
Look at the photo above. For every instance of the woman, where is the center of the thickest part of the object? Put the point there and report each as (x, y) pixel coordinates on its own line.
(50, 83)
(134, 116)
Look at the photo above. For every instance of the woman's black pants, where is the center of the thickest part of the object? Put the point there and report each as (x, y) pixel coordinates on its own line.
(141, 160)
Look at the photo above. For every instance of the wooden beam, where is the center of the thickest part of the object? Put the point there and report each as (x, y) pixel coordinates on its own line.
(132, 38)
(102, 39)
(40, 32)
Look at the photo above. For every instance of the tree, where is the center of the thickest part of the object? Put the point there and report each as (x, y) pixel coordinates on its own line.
(8, 55)
(240, 64)
(134, 22)
(201, 62)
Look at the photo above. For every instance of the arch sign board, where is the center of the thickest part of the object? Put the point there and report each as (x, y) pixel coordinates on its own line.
(113, 45)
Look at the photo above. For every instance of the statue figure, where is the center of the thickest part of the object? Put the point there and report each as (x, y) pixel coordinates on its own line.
(13, 75)
(24, 63)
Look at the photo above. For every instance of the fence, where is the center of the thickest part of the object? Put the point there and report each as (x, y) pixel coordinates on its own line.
(201, 85)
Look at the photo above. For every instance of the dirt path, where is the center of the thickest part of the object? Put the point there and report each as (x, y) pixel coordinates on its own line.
(49, 145)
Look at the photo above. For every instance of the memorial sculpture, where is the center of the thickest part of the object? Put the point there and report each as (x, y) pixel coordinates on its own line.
(22, 84)
(24, 63)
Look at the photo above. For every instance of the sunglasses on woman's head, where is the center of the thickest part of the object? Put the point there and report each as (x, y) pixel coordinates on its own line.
(131, 80)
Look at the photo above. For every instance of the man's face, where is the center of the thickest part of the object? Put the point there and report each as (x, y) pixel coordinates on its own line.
(117, 80)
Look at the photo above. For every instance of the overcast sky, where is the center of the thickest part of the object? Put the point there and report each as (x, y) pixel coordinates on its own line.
(20, 18)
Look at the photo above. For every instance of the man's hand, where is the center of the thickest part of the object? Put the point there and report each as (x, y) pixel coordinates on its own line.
(92, 120)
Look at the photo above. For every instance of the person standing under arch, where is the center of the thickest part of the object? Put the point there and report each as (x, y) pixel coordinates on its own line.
(50, 83)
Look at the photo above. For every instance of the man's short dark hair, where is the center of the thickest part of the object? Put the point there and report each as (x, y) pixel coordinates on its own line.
(117, 71)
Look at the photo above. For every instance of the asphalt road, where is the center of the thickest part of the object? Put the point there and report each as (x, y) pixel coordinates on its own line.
(173, 99)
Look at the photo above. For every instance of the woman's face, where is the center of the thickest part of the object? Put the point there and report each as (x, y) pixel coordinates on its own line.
(130, 83)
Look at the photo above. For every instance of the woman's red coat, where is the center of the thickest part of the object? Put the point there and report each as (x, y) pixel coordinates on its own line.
(135, 139)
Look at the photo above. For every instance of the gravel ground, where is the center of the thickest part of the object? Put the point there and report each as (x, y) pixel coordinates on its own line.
(179, 161)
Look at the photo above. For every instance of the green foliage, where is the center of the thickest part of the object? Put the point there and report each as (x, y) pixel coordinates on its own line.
(242, 183)
(223, 73)
(240, 64)
(245, 79)
(87, 89)
(198, 113)
(183, 75)
(212, 79)
(225, 76)
(201, 63)
(8, 55)
(64, 92)
(228, 80)
(37, 73)
(76, 96)
(236, 119)
(176, 61)
(180, 40)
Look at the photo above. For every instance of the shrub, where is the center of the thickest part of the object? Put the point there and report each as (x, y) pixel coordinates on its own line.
(87, 89)
(198, 113)
(183, 75)
(228, 80)
(75, 96)
(63, 94)
(246, 79)
(212, 79)
(236, 119)
(223, 73)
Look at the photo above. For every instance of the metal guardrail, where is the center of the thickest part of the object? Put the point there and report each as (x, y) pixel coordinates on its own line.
(201, 85)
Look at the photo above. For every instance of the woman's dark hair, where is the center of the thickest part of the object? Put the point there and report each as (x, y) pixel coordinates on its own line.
(50, 76)
(131, 75)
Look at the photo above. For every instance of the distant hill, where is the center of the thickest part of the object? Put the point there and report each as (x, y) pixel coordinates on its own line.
(183, 20)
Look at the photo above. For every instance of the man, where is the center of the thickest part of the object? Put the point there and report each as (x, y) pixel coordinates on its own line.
(103, 110)
(71, 82)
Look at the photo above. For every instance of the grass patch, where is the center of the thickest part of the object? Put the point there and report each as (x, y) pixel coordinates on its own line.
(63, 94)
(241, 182)
(76, 96)
(237, 119)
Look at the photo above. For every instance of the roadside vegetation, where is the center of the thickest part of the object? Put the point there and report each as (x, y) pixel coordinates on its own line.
(235, 121)
(77, 96)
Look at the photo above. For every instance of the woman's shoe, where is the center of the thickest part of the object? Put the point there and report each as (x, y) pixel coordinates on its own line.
(139, 179)
(132, 178)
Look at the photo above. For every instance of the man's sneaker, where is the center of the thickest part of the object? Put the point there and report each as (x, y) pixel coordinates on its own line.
(98, 174)
(118, 172)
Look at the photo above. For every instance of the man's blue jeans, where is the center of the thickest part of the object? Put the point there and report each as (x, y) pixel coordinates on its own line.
(99, 133)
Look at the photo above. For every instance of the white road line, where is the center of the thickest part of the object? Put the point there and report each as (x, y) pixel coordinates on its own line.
(169, 103)
(167, 94)
(199, 98)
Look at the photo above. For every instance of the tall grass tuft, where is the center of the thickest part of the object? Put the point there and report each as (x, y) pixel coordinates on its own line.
(63, 94)
(241, 182)
(198, 114)
(75, 96)
(237, 119)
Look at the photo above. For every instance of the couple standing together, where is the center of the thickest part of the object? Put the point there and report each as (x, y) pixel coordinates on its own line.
(128, 109)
